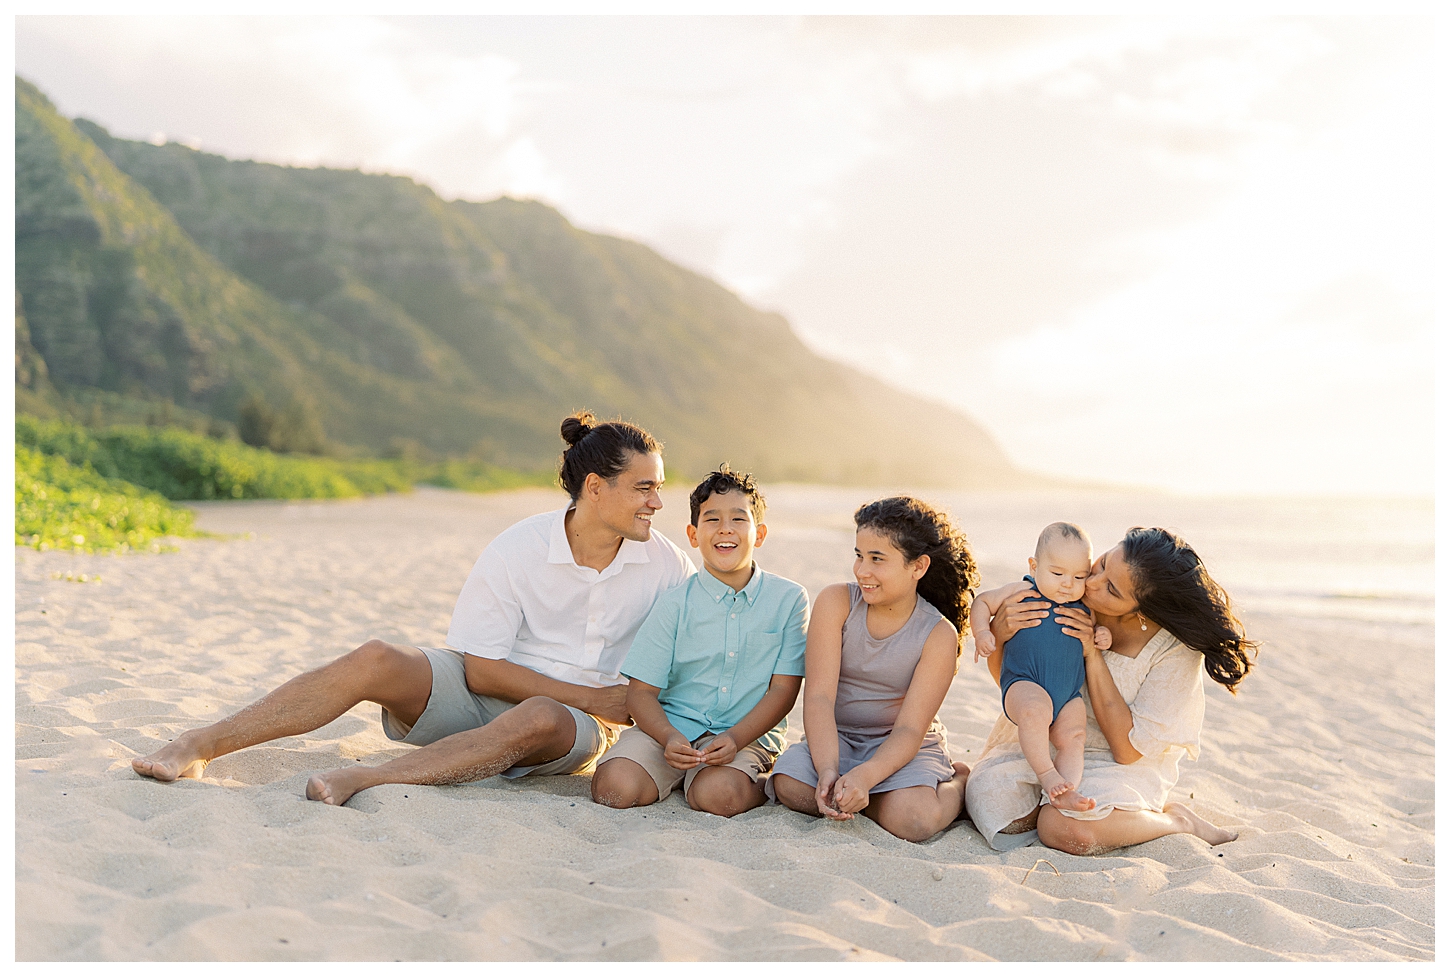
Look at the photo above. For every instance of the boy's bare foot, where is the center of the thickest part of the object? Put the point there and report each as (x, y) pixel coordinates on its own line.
(336, 786)
(1206, 830)
(177, 759)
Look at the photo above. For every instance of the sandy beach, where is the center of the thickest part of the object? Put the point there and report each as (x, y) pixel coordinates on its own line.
(1327, 775)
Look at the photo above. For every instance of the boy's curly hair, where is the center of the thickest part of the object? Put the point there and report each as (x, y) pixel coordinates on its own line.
(723, 480)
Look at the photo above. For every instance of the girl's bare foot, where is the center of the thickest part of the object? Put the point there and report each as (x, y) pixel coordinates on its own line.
(1206, 830)
(336, 786)
(180, 758)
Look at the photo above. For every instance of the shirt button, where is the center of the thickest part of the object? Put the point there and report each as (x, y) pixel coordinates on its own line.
(732, 654)
(724, 688)
(732, 615)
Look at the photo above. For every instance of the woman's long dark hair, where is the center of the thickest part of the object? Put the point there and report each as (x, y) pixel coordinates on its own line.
(916, 528)
(602, 448)
(1175, 591)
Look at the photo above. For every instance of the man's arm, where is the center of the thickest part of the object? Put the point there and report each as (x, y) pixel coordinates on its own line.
(514, 683)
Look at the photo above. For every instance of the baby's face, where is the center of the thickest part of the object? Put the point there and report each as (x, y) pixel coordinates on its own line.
(1061, 569)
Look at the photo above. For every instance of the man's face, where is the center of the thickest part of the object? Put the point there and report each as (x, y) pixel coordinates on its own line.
(726, 532)
(627, 502)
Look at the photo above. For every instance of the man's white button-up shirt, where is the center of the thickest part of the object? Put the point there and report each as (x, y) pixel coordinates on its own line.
(528, 602)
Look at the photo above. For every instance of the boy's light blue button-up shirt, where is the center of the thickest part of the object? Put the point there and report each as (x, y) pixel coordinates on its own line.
(712, 650)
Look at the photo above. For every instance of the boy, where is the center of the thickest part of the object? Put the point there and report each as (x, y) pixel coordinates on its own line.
(714, 668)
(1042, 670)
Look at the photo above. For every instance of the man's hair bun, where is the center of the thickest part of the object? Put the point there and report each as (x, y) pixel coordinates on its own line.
(576, 425)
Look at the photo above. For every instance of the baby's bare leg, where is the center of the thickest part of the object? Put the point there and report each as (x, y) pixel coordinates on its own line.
(1029, 706)
(1068, 735)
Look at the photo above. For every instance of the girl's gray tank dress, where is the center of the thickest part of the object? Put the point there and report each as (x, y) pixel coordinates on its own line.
(875, 674)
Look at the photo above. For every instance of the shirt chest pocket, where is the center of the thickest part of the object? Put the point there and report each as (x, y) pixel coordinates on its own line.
(763, 647)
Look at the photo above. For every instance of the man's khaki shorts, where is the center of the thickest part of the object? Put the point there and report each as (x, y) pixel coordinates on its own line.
(637, 745)
(453, 709)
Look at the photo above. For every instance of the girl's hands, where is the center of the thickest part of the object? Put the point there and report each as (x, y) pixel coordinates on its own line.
(825, 800)
(1080, 625)
(851, 796)
(1024, 609)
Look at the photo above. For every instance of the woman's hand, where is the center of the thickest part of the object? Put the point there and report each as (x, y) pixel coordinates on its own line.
(1024, 609)
(851, 796)
(1079, 624)
(825, 800)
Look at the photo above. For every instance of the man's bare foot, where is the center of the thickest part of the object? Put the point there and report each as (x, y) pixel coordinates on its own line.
(1206, 830)
(336, 786)
(177, 759)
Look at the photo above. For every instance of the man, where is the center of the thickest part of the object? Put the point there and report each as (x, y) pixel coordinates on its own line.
(541, 628)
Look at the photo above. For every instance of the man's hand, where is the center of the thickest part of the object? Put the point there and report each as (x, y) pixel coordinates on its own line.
(985, 644)
(1102, 638)
(608, 704)
(850, 796)
(720, 751)
(680, 754)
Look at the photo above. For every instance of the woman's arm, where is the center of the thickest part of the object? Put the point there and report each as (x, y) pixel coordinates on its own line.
(929, 684)
(1017, 612)
(1114, 717)
(823, 674)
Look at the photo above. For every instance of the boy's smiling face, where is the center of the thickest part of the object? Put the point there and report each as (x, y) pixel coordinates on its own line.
(726, 534)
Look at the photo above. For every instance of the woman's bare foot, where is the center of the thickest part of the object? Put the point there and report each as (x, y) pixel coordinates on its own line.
(183, 757)
(336, 786)
(1206, 830)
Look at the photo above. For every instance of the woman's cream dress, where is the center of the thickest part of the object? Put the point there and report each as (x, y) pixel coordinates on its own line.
(1163, 687)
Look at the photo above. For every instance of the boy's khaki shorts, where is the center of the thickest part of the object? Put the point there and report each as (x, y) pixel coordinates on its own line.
(637, 745)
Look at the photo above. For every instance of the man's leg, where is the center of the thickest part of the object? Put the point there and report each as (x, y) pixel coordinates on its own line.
(396, 677)
(535, 731)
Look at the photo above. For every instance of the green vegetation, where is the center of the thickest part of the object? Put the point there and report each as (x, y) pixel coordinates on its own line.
(59, 505)
(77, 488)
(338, 313)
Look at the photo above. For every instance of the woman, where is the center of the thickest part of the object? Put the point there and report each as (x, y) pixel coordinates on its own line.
(1170, 622)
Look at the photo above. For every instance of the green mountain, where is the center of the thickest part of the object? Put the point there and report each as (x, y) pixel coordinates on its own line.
(319, 309)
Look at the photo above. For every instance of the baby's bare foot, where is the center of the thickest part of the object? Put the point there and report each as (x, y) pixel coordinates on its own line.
(336, 786)
(180, 758)
(1070, 800)
(1206, 830)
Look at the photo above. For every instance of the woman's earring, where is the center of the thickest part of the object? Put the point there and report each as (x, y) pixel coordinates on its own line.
(1142, 624)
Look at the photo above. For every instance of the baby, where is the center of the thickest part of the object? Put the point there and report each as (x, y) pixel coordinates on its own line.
(1042, 670)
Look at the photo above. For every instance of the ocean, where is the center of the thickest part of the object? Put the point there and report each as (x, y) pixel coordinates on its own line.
(1358, 558)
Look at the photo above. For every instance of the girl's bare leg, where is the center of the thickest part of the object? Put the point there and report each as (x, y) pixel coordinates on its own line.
(1122, 828)
(796, 795)
(917, 813)
(1068, 736)
(397, 677)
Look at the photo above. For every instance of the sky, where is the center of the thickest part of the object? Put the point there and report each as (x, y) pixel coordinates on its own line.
(1187, 253)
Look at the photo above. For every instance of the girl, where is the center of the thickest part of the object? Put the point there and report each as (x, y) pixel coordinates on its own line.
(880, 656)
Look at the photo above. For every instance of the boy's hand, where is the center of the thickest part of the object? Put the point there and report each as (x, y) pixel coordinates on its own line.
(985, 643)
(680, 754)
(825, 802)
(720, 751)
(1102, 638)
(850, 796)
